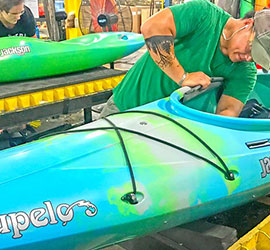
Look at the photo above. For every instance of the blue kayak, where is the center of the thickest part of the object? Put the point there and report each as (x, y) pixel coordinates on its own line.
(134, 173)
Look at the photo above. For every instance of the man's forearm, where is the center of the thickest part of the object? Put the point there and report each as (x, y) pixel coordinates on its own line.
(229, 106)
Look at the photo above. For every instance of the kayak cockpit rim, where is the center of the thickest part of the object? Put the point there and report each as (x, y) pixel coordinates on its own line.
(182, 109)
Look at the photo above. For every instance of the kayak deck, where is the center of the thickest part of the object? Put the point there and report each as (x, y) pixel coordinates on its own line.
(37, 58)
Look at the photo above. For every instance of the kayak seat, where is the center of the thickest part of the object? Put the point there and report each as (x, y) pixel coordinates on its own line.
(205, 100)
(261, 90)
(254, 109)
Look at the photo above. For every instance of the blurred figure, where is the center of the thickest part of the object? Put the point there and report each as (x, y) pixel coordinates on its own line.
(16, 19)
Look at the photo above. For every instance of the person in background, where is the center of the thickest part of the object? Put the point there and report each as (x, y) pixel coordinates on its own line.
(187, 45)
(16, 19)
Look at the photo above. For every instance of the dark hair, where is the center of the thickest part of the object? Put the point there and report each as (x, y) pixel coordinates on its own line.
(250, 14)
(6, 5)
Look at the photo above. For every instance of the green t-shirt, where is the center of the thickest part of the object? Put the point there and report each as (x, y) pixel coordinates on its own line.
(199, 25)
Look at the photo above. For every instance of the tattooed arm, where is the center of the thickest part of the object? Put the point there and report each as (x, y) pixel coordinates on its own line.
(161, 49)
(159, 32)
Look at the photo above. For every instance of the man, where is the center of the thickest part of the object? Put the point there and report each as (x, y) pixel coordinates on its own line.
(16, 19)
(189, 43)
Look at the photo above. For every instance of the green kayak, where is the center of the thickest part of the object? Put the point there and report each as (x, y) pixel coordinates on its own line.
(28, 58)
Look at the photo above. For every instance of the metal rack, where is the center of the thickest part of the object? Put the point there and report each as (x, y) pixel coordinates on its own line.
(26, 101)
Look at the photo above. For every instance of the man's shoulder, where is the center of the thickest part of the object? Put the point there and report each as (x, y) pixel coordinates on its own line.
(27, 10)
(27, 15)
(197, 3)
(3, 30)
(199, 8)
(27, 19)
(245, 68)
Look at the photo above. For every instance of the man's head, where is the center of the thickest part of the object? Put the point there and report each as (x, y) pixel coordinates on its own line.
(12, 10)
(238, 35)
(249, 38)
(260, 51)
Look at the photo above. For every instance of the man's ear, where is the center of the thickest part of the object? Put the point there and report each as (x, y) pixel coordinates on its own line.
(249, 21)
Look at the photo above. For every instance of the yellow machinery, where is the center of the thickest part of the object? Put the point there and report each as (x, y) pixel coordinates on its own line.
(260, 4)
(26, 101)
(257, 239)
(40, 97)
(70, 6)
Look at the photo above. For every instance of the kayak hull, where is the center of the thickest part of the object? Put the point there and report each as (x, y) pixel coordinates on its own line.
(70, 191)
(95, 239)
(36, 58)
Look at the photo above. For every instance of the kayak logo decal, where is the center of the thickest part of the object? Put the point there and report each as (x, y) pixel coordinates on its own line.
(265, 164)
(42, 217)
(20, 51)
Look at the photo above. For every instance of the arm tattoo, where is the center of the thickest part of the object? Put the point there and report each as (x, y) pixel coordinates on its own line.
(162, 47)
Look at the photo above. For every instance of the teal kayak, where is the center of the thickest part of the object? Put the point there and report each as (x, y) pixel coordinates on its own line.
(28, 58)
(134, 173)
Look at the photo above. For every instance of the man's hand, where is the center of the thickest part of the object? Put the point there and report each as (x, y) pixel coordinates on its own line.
(197, 78)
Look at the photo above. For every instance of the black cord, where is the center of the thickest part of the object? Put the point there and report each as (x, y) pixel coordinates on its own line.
(125, 153)
(229, 174)
(147, 136)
